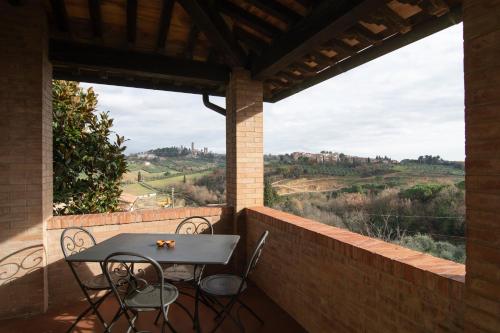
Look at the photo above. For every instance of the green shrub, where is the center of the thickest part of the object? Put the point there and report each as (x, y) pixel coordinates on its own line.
(425, 243)
(422, 192)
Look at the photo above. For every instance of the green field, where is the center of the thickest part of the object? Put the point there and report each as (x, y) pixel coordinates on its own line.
(165, 182)
(136, 189)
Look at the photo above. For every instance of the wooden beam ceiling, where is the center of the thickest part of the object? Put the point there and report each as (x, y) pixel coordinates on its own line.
(107, 59)
(216, 30)
(326, 21)
(390, 44)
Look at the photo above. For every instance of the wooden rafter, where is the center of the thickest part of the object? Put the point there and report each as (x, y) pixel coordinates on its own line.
(216, 31)
(326, 21)
(193, 36)
(248, 19)
(60, 15)
(131, 20)
(95, 17)
(276, 9)
(108, 59)
(164, 25)
(251, 41)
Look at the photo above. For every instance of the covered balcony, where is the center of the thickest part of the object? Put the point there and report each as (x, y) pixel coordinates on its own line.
(311, 277)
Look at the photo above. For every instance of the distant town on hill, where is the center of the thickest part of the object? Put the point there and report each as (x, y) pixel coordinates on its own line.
(418, 203)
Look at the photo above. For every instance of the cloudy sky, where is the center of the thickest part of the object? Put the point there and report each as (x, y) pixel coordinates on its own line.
(404, 104)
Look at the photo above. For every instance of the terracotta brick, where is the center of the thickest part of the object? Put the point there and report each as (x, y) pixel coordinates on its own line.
(330, 277)
(26, 153)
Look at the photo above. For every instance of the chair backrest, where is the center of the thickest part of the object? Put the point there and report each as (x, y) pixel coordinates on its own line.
(256, 254)
(195, 225)
(125, 279)
(76, 239)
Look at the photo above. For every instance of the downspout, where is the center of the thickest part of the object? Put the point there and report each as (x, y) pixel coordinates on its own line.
(212, 106)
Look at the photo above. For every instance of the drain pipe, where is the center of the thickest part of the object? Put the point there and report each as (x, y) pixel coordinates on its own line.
(212, 106)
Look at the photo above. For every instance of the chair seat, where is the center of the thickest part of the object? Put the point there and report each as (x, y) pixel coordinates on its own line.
(179, 273)
(222, 284)
(149, 297)
(99, 282)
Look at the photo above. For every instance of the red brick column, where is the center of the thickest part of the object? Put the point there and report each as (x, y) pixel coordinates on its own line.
(25, 157)
(244, 141)
(482, 123)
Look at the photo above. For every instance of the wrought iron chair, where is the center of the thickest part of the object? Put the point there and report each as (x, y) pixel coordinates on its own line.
(193, 225)
(74, 240)
(187, 275)
(136, 294)
(231, 286)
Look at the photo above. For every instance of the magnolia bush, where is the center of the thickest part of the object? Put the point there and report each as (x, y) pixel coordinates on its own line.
(88, 164)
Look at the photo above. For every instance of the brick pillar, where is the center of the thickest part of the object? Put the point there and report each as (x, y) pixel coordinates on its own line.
(25, 157)
(244, 142)
(482, 132)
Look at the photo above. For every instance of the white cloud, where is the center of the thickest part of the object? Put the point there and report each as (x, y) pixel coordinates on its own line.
(404, 104)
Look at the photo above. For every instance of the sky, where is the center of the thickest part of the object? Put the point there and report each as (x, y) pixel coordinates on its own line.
(405, 104)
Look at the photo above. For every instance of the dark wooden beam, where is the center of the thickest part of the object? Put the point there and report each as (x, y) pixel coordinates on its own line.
(60, 73)
(392, 20)
(277, 10)
(327, 20)
(193, 36)
(60, 15)
(95, 17)
(166, 15)
(216, 31)
(135, 63)
(388, 45)
(243, 17)
(251, 41)
(131, 20)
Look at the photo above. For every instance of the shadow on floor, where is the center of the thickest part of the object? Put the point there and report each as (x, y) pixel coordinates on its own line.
(58, 320)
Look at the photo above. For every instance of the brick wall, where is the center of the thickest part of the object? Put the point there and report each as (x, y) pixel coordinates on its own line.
(482, 132)
(244, 141)
(333, 280)
(26, 157)
(61, 283)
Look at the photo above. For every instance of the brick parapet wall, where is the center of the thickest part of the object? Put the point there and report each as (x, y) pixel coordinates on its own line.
(62, 286)
(331, 279)
(482, 167)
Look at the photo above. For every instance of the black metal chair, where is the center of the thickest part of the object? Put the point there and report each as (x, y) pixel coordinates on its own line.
(187, 276)
(74, 240)
(134, 292)
(193, 225)
(231, 286)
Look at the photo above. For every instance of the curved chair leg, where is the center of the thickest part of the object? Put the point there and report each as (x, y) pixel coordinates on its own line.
(93, 306)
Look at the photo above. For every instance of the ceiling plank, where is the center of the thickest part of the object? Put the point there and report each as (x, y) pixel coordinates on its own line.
(70, 54)
(325, 21)
(164, 26)
(131, 20)
(95, 17)
(216, 31)
(60, 15)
